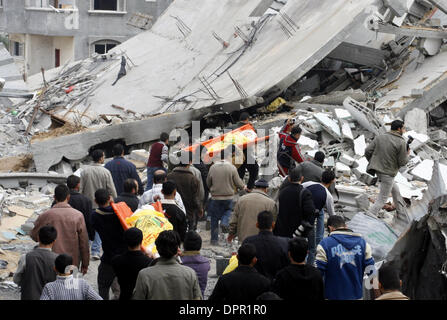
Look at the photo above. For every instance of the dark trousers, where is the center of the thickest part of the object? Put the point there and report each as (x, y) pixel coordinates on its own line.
(253, 170)
(106, 277)
(192, 216)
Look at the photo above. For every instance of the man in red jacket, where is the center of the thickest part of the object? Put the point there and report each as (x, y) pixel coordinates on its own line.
(289, 151)
(158, 156)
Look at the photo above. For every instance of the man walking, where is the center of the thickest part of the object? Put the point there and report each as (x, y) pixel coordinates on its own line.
(342, 258)
(246, 210)
(322, 198)
(167, 279)
(249, 163)
(81, 203)
(95, 177)
(121, 170)
(244, 283)
(155, 194)
(386, 154)
(222, 180)
(158, 158)
(188, 187)
(172, 211)
(289, 151)
(108, 226)
(271, 251)
(296, 208)
(72, 236)
(129, 194)
(299, 281)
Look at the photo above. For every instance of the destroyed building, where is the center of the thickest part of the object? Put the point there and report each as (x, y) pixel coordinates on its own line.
(51, 33)
(343, 69)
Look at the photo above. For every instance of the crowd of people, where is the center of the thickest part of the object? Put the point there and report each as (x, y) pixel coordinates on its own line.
(283, 252)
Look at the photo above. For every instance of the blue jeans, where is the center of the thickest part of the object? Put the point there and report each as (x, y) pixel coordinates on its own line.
(96, 245)
(314, 238)
(219, 210)
(150, 177)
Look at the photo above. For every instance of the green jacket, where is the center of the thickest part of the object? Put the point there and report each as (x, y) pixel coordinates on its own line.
(387, 153)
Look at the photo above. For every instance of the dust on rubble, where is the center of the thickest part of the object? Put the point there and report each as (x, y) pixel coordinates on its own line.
(19, 163)
(66, 129)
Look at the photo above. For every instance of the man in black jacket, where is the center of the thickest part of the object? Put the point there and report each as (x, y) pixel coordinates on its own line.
(109, 228)
(129, 195)
(81, 203)
(244, 283)
(173, 213)
(271, 251)
(128, 265)
(299, 281)
(296, 208)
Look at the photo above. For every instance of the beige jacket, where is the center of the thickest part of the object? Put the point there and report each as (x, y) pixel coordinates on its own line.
(395, 295)
(72, 236)
(223, 179)
(245, 215)
(94, 177)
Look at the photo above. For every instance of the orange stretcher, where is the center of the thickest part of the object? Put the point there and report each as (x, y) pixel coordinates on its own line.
(209, 143)
(123, 212)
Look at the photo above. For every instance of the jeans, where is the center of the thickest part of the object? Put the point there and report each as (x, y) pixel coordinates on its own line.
(314, 238)
(106, 280)
(219, 210)
(387, 186)
(96, 245)
(150, 177)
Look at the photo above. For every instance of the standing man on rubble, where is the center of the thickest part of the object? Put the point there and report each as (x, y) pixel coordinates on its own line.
(158, 158)
(249, 163)
(386, 154)
(121, 170)
(289, 151)
(93, 178)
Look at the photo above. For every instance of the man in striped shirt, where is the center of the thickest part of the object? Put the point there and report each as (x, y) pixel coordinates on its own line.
(66, 287)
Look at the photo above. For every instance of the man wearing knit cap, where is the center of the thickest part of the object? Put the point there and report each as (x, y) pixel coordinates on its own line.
(245, 215)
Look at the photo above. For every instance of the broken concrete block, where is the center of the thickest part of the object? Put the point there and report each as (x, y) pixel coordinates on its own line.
(305, 141)
(347, 160)
(346, 130)
(435, 136)
(21, 211)
(368, 179)
(329, 125)
(362, 201)
(27, 227)
(430, 46)
(423, 170)
(342, 169)
(416, 93)
(360, 145)
(34, 200)
(416, 119)
(140, 155)
(329, 162)
(64, 168)
(342, 114)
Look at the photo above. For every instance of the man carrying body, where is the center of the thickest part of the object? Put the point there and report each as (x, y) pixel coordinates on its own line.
(386, 154)
(129, 194)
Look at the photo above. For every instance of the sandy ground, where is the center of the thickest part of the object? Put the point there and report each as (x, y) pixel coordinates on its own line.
(91, 277)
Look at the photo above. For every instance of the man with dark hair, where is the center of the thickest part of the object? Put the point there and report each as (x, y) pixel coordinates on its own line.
(168, 279)
(122, 169)
(322, 198)
(289, 151)
(188, 187)
(153, 195)
(223, 179)
(299, 281)
(66, 287)
(249, 163)
(296, 208)
(72, 235)
(36, 268)
(172, 211)
(81, 203)
(390, 283)
(191, 257)
(386, 154)
(342, 258)
(128, 265)
(271, 251)
(109, 228)
(129, 194)
(95, 177)
(244, 283)
(245, 214)
(158, 158)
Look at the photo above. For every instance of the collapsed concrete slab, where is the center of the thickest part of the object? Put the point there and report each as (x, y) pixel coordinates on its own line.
(19, 180)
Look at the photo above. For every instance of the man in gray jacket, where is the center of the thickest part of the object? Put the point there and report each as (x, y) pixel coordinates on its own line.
(386, 154)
